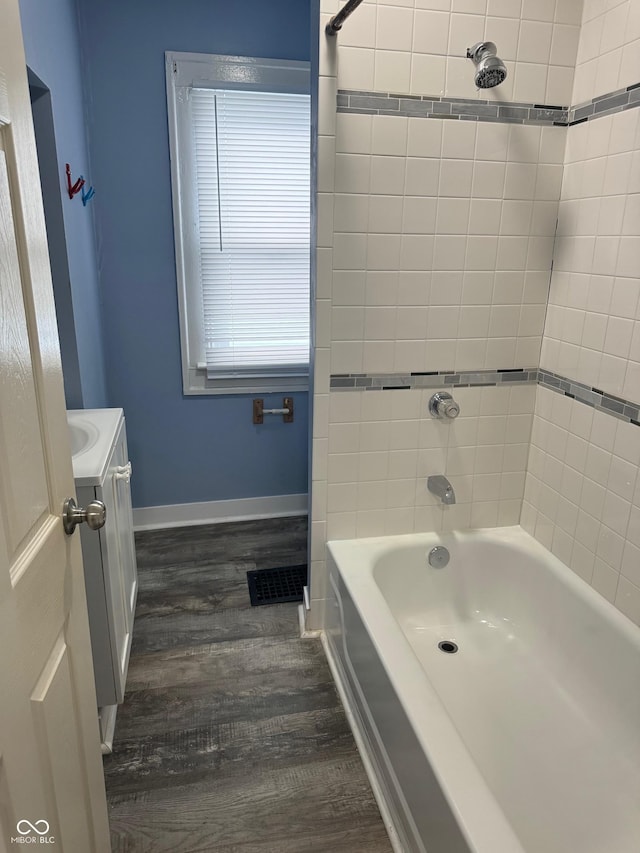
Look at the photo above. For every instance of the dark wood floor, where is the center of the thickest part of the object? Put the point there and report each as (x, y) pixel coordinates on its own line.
(232, 737)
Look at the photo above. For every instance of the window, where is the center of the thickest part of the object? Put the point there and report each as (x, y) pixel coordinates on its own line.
(240, 162)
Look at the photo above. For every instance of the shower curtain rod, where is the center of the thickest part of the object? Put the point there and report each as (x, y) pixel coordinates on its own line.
(335, 24)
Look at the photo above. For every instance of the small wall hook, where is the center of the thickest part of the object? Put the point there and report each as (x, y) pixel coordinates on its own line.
(87, 196)
(73, 189)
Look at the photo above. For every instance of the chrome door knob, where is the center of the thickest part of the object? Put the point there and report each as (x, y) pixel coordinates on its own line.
(94, 515)
(442, 405)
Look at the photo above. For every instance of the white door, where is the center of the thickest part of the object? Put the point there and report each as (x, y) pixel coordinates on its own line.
(51, 783)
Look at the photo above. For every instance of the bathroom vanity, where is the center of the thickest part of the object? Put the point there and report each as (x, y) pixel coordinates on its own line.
(102, 471)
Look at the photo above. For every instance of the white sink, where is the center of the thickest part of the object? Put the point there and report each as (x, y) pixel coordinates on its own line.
(93, 434)
(84, 435)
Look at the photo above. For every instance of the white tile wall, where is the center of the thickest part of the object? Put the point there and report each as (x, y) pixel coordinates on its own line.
(582, 495)
(419, 46)
(434, 250)
(608, 56)
(592, 332)
(383, 445)
(435, 244)
(582, 488)
(441, 251)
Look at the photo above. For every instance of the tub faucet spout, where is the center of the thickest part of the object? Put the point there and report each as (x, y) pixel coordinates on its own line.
(441, 487)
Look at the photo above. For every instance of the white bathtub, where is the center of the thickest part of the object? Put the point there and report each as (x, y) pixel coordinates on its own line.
(527, 740)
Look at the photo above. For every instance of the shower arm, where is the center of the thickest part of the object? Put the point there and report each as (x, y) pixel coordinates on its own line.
(335, 24)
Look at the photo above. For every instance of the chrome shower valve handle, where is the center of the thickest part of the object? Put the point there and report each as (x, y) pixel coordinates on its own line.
(442, 405)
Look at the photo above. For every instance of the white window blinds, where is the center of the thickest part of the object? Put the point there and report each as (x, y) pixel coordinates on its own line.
(252, 173)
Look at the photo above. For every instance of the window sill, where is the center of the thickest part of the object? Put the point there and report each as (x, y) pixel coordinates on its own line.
(196, 383)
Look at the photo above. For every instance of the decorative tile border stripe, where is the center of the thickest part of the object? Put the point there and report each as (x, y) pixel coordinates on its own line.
(510, 112)
(618, 407)
(435, 379)
(605, 105)
(625, 410)
(428, 106)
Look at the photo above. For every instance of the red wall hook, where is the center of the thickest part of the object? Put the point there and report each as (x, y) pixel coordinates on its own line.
(72, 189)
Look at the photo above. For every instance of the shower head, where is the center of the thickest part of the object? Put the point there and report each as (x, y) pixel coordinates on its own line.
(490, 69)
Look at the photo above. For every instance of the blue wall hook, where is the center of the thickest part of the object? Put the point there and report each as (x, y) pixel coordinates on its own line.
(87, 196)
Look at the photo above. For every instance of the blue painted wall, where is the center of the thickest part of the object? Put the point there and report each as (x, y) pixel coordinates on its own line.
(50, 32)
(183, 448)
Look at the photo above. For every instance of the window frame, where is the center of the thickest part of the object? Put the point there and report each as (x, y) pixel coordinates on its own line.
(184, 71)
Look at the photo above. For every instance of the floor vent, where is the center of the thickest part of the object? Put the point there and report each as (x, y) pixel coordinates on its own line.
(275, 586)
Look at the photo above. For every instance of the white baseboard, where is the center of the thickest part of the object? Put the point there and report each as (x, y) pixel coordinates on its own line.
(305, 633)
(213, 512)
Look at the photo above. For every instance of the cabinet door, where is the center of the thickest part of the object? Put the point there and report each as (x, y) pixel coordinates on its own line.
(119, 629)
(127, 548)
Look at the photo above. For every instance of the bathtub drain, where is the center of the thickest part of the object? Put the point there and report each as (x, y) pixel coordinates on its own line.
(448, 646)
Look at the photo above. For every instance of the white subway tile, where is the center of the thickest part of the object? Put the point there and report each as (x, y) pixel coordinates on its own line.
(453, 216)
(481, 253)
(627, 599)
(534, 43)
(431, 32)
(385, 214)
(422, 175)
(345, 407)
(413, 287)
(610, 547)
(401, 493)
(341, 525)
(374, 435)
(384, 251)
(353, 133)
(389, 135)
(395, 29)
(342, 497)
(403, 464)
(564, 45)
(347, 323)
(424, 138)
(372, 495)
(456, 178)
(504, 8)
(605, 579)
(416, 252)
(357, 66)
(411, 323)
(379, 323)
(351, 213)
(392, 71)
(352, 173)
(613, 32)
(631, 563)
(381, 288)
(615, 513)
(343, 468)
(568, 12)
(538, 10)
(347, 356)
(372, 466)
(582, 561)
(465, 30)
(361, 31)
(344, 437)
(428, 75)
(504, 32)
(377, 356)
(418, 215)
